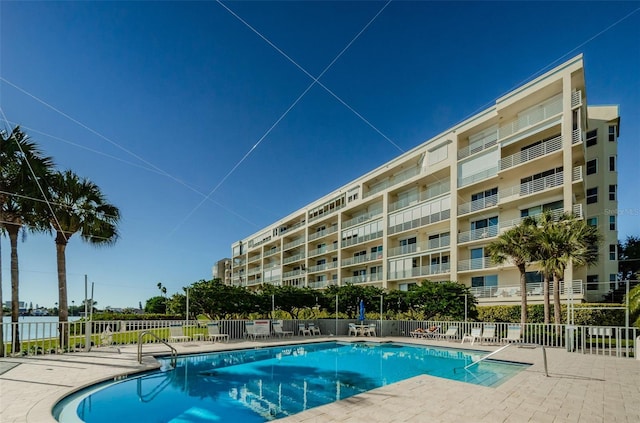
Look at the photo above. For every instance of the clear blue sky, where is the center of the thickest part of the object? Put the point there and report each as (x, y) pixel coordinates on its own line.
(157, 102)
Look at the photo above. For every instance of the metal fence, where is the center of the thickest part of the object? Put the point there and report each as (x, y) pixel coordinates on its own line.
(45, 337)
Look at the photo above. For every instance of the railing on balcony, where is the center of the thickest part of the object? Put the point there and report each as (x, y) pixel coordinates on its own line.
(476, 234)
(433, 191)
(479, 145)
(546, 147)
(361, 259)
(319, 251)
(576, 136)
(362, 279)
(255, 258)
(272, 280)
(477, 177)
(423, 247)
(475, 264)
(576, 176)
(394, 180)
(361, 239)
(324, 232)
(361, 219)
(533, 290)
(531, 118)
(475, 205)
(576, 99)
(321, 284)
(254, 272)
(292, 273)
(555, 214)
(292, 244)
(577, 211)
(272, 251)
(295, 257)
(532, 187)
(416, 223)
(322, 267)
(434, 269)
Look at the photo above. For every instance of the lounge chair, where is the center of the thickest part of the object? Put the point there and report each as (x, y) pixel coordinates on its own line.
(488, 334)
(476, 333)
(176, 335)
(514, 333)
(353, 329)
(451, 333)
(213, 332)
(314, 329)
(277, 329)
(302, 330)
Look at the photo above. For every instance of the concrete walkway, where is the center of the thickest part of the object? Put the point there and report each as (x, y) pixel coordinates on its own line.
(580, 388)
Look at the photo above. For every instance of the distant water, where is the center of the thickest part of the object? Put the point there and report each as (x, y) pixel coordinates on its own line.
(34, 326)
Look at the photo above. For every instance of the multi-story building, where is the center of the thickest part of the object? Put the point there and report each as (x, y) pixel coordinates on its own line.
(222, 270)
(430, 213)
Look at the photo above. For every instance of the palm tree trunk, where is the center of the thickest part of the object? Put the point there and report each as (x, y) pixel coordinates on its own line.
(13, 229)
(556, 298)
(547, 303)
(523, 296)
(63, 313)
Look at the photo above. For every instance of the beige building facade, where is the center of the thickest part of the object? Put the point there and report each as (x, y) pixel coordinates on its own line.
(430, 213)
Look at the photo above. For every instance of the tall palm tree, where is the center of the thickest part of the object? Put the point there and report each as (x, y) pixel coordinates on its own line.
(544, 234)
(563, 242)
(516, 245)
(78, 207)
(23, 169)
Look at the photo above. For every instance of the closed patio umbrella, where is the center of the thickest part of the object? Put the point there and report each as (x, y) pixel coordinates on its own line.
(361, 317)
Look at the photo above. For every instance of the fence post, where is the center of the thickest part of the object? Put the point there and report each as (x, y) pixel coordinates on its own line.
(637, 345)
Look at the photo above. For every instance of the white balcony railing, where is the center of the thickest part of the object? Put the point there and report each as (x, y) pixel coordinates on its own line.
(319, 251)
(478, 145)
(544, 148)
(324, 232)
(576, 136)
(531, 187)
(291, 259)
(361, 239)
(272, 251)
(363, 278)
(292, 244)
(576, 99)
(322, 267)
(533, 117)
(361, 259)
(576, 176)
(361, 219)
(475, 264)
(477, 177)
(475, 205)
(394, 180)
(533, 290)
(434, 269)
(476, 234)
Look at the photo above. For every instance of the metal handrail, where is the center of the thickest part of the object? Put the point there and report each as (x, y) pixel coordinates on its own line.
(174, 352)
(520, 345)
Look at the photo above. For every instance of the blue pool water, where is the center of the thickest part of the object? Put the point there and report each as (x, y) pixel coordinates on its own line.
(268, 383)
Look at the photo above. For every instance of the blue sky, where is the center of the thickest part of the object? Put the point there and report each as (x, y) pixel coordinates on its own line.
(159, 102)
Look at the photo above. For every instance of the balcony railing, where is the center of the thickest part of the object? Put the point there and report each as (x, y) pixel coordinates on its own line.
(475, 205)
(361, 259)
(322, 267)
(423, 221)
(272, 251)
(576, 99)
(475, 264)
(532, 153)
(361, 239)
(361, 219)
(362, 278)
(576, 136)
(532, 187)
(292, 244)
(555, 214)
(434, 269)
(292, 273)
(324, 232)
(476, 234)
(478, 145)
(255, 258)
(533, 117)
(321, 284)
(576, 176)
(295, 257)
(477, 177)
(533, 290)
(422, 247)
(394, 180)
(319, 251)
(432, 192)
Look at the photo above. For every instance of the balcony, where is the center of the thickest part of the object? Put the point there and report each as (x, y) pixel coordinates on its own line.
(361, 259)
(477, 146)
(477, 177)
(555, 214)
(362, 279)
(531, 187)
(576, 136)
(394, 180)
(542, 149)
(272, 251)
(432, 191)
(293, 244)
(434, 269)
(322, 233)
(512, 292)
(475, 264)
(534, 116)
(321, 284)
(255, 258)
(293, 273)
(360, 239)
(322, 267)
(253, 272)
(576, 175)
(478, 234)
(423, 221)
(361, 219)
(576, 99)
(319, 251)
(476, 205)
(293, 258)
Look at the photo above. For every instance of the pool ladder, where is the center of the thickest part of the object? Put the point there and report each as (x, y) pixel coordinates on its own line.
(520, 345)
(174, 352)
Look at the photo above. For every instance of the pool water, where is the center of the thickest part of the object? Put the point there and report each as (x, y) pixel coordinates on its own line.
(268, 383)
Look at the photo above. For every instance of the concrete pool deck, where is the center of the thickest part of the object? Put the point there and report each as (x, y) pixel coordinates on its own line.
(580, 388)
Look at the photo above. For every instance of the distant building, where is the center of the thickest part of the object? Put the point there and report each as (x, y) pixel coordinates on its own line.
(431, 212)
(222, 270)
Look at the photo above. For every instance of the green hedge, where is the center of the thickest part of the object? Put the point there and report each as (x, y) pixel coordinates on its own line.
(535, 314)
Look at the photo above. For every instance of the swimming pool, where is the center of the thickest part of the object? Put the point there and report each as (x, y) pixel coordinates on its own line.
(263, 384)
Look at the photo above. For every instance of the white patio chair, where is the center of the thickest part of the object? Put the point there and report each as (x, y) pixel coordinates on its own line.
(213, 332)
(176, 335)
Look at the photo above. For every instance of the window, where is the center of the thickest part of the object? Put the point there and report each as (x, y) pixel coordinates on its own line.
(612, 163)
(612, 133)
(592, 138)
(592, 167)
(592, 195)
(592, 282)
(376, 252)
(612, 251)
(612, 223)
(592, 221)
(612, 192)
(612, 279)
(488, 280)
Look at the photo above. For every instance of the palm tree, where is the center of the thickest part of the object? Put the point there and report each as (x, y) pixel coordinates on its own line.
(544, 233)
(516, 245)
(23, 169)
(563, 242)
(78, 207)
